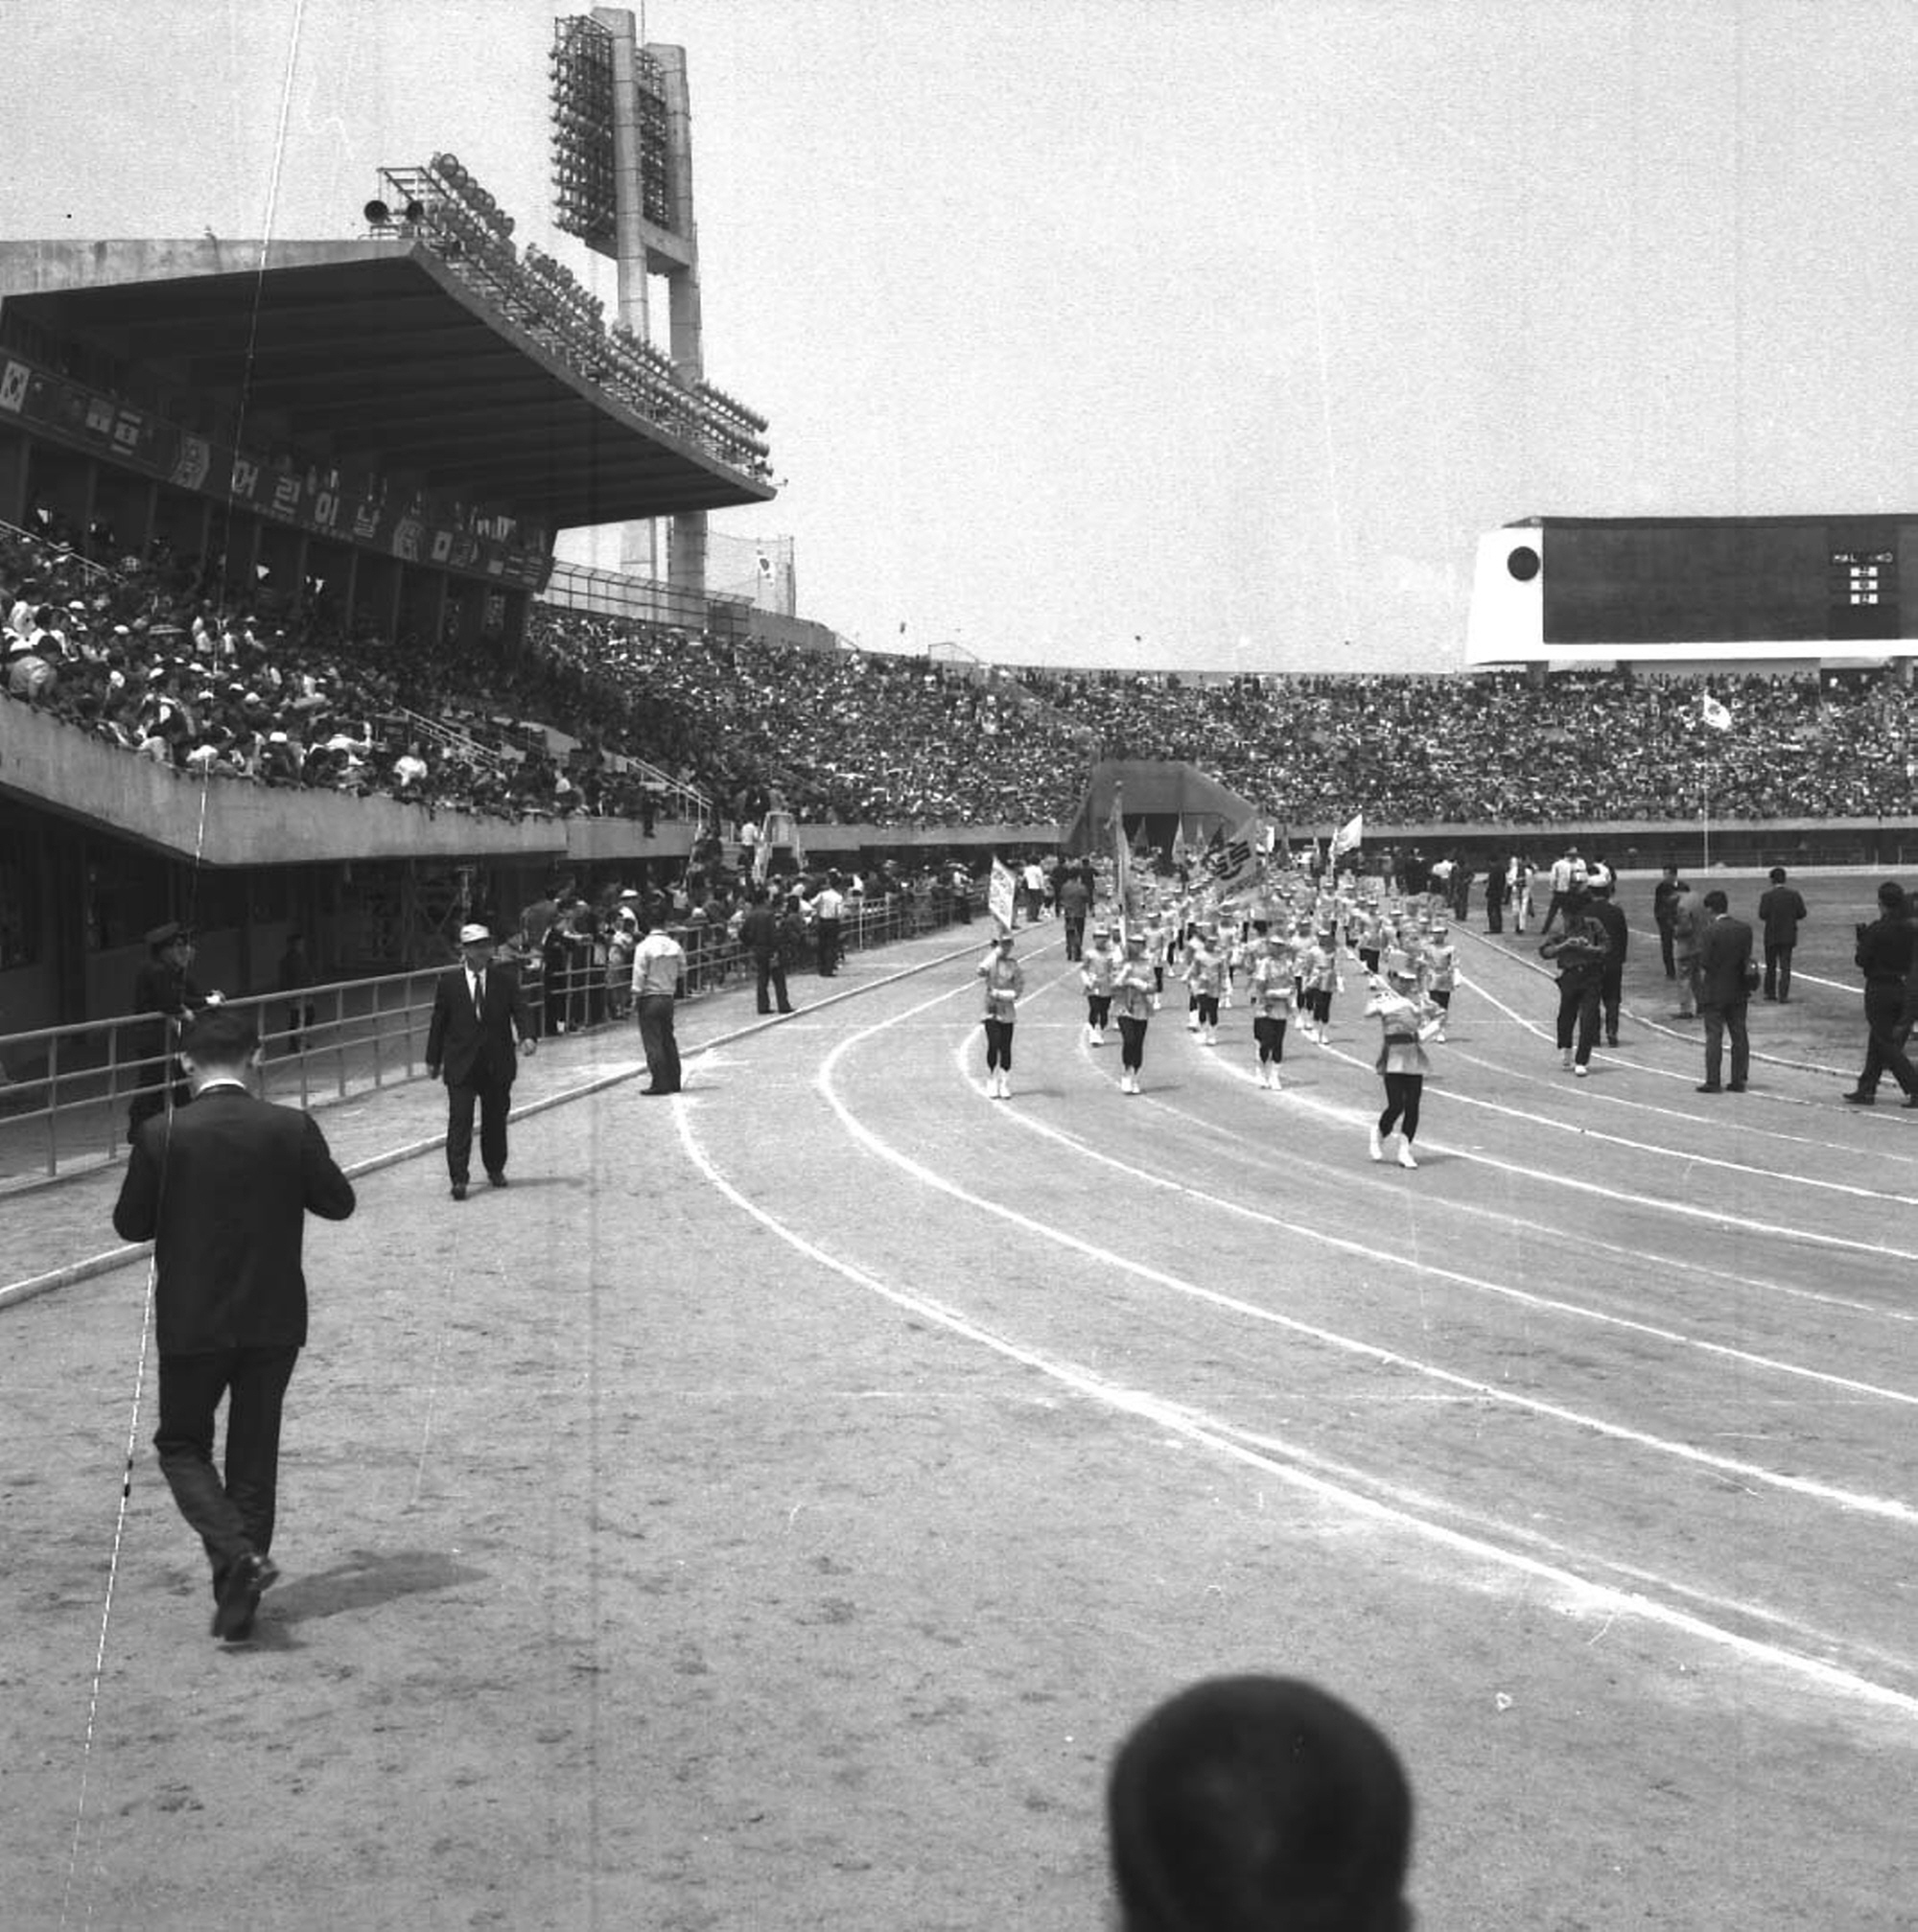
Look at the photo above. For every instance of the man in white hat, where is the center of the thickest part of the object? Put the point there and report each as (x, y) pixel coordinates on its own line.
(479, 1012)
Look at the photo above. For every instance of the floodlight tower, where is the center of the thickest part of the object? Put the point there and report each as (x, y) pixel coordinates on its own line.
(623, 184)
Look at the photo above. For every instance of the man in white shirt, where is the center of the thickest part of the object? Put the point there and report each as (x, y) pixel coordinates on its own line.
(659, 963)
(829, 906)
(1568, 877)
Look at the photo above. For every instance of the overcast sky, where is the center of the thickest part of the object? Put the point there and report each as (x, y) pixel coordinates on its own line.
(1194, 332)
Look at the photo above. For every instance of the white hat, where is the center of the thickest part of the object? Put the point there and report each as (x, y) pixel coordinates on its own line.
(475, 934)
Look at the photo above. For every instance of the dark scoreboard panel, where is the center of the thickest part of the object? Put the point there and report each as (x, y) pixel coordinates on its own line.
(1727, 580)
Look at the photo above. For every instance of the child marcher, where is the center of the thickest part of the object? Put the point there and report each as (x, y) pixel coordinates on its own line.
(1205, 980)
(1442, 972)
(1005, 982)
(1274, 992)
(1097, 968)
(1319, 981)
(1407, 1017)
(1134, 998)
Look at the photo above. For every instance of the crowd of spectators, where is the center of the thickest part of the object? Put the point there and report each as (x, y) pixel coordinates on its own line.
(856, 737)
(142, 657)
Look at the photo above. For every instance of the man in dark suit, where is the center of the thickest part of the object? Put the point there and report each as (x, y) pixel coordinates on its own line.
(759, 936)
(222, 1189)
(1781, 911)
(1725, 953)
(478, 1012)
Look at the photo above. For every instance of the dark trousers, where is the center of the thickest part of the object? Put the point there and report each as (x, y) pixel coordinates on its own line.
(1402, 1094)
(772, 976)
(826, 934)
(234, 1515)
(1666, 953)
(1556, 905)
(1269, 1031)
(1098, 1010)
(1611, 996)
(1132, 1043)
(1209, 1009)
(1721, 1020)
(1778, 971)
(1495, 913)
(1578, 1003)
(495, 1100)
(998, 1045)
(656, 1038)
(1075, 936)
(1884, 1004)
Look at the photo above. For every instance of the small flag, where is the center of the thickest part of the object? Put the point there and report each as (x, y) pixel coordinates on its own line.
(1122, 853)
(1349, 836)
(1719, 717)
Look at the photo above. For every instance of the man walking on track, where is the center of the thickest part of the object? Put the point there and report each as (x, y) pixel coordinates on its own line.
(1883, 955)
(1724, 992)
(478, 1012)
(223, 1190)
(1579, 954)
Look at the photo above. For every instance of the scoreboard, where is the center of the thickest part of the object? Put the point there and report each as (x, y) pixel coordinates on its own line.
(1682, 587)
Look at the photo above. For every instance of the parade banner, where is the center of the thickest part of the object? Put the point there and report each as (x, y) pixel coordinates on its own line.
(1002, 894)
(1349, 836)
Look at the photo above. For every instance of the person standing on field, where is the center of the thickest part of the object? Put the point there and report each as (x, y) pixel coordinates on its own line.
(1781, 911)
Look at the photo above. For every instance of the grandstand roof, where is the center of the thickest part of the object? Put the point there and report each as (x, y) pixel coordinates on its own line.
(378, 355)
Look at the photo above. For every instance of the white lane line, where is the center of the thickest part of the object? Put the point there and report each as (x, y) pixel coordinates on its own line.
(1504, 1291)
(1586, 1596)
(1889, 1507)
(1294, 1098)
(1683, 1210)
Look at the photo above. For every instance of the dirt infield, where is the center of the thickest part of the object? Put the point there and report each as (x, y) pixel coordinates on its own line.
(771, 1511)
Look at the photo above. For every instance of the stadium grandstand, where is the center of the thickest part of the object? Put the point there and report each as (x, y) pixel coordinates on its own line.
(287, 647)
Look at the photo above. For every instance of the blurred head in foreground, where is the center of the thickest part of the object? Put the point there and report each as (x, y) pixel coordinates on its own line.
(1258, 1804)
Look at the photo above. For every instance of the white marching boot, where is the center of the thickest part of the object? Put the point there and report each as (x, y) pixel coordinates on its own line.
(1192, 1020)
(1377, 1143)
(1405, 1158)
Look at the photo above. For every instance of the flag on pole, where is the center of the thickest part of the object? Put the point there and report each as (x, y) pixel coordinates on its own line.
(1719, 717)
(1181, 852)
(1350, 835)
(1002, 893)
(1233, 861)
(1122, 853)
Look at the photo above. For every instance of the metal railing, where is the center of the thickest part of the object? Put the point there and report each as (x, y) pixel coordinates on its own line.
(66, 1093)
